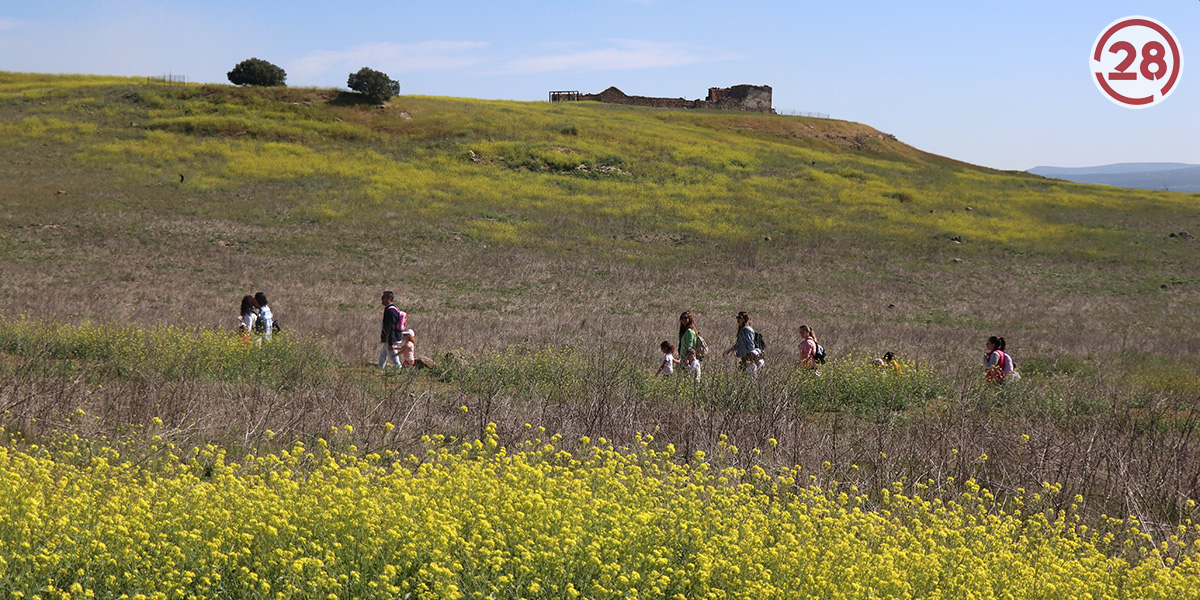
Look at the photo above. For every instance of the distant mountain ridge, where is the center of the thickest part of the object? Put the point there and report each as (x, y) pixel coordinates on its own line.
(1174, 177)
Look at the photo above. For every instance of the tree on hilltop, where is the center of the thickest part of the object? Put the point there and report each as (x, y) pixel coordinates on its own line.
(255, 71)
(373, 84)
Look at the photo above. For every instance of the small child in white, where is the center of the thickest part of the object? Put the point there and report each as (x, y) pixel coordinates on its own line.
(669, 361)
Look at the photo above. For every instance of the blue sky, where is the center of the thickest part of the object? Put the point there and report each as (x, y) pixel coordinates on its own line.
(1005, 85)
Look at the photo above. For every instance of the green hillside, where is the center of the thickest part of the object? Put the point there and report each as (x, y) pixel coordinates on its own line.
(579, 225)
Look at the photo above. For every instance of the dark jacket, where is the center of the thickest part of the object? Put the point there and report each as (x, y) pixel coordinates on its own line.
(393, 321)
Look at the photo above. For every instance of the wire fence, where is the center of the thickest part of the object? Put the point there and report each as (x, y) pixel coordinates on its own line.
(797, 113)
(168, 79)
(564, 96)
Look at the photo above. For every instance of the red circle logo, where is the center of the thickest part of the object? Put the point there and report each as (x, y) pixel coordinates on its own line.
(1136, 62)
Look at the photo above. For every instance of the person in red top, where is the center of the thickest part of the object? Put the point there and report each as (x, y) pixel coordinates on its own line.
(998, 365)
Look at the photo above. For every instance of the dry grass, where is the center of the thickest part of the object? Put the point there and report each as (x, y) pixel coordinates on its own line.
(1120, 459)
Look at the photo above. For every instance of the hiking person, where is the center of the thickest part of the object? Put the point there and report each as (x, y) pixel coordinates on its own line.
(247, 317)
(408, 348)
(668, 362)
(265, 324)
(749, 356)
(808, 350)
(997, 364)
(691, 346)
(395, 321)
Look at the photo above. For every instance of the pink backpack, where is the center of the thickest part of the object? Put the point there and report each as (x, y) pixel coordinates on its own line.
(402, 322)
(1002, 369)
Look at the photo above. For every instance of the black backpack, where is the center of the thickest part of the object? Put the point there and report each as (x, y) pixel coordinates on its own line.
(260, 326)
(819, 357)
(759, 343)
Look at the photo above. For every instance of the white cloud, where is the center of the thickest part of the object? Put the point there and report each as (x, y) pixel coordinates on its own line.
(390, 58)
(449, 56)
(7, 24)
(621, 55)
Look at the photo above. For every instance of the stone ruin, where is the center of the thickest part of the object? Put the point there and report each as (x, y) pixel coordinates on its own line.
(756, 98)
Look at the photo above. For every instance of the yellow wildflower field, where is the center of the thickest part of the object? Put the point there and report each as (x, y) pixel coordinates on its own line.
(478, 520)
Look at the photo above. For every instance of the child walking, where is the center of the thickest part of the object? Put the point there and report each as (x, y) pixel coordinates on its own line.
(669, 361)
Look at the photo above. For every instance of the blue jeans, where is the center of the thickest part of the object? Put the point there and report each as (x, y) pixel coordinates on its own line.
(388, 354)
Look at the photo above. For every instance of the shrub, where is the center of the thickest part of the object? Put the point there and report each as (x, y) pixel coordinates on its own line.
(374, 84)
(125, 351)
(255, 71)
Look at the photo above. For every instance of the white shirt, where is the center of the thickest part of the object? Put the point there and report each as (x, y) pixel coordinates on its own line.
(247, 321)
(267, 318)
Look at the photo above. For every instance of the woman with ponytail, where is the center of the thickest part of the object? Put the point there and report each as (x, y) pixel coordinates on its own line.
(808, 349)
(997, 364)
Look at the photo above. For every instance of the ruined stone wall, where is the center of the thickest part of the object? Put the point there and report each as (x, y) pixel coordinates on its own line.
(740, 97)
(615, 96)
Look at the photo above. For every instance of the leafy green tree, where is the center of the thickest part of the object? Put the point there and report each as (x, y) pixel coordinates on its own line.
(374, 84)
(255, 71)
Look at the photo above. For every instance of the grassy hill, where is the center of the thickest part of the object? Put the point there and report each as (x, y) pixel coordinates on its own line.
(528, 212)
(554, 245)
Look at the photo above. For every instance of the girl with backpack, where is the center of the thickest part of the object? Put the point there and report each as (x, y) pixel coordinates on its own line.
(997, 364)
(266, 325)
(808, 350)
(691, 345)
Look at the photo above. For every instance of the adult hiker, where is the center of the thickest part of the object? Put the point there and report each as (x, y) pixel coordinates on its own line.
(391, 333)
(749, 356)
(691, 345)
